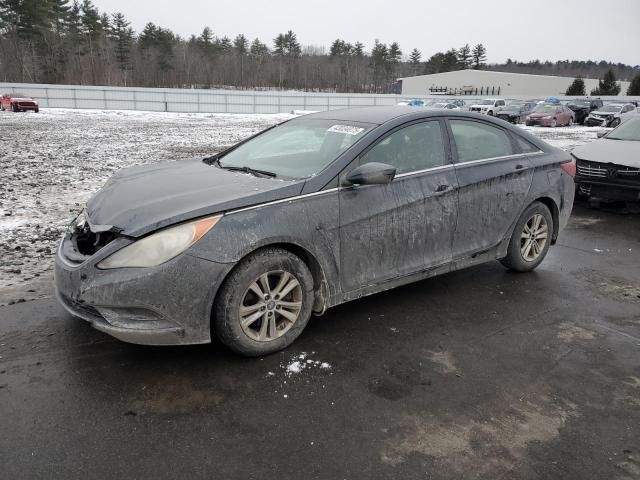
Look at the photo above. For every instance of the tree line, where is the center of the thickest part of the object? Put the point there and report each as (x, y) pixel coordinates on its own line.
(72, 42)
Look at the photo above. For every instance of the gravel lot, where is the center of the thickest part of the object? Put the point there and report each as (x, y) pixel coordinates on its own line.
(53, 161)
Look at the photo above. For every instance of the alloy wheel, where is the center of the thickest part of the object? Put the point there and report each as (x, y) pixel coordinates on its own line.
(271, 305)
(534, 237)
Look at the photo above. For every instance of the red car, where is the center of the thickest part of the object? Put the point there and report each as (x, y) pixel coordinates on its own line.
(18, 102)
(551, 115)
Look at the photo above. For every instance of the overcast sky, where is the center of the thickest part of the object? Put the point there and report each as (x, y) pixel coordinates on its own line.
(517, 29)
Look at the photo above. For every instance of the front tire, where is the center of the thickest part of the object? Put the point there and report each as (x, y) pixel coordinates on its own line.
(265, 303)
(615, 122)
(530, 239)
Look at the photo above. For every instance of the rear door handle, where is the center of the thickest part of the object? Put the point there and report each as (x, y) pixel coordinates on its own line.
(442, 188)
(519, 166)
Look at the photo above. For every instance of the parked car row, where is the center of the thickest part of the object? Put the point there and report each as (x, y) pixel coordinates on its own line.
(18, 102)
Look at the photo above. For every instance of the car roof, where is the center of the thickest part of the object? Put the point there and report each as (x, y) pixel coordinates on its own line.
(376, 115)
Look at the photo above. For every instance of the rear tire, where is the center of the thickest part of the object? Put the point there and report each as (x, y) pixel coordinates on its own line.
(250, 317)
(530, 239)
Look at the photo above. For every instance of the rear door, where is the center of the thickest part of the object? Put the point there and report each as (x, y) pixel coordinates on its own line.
(393, 230)
(493, 183)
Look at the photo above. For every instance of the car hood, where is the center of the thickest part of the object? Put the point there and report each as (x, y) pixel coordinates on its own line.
(620, 152)
(602, 114)
(140, 199)
(478, 105)
(509, 111)
(541, 115)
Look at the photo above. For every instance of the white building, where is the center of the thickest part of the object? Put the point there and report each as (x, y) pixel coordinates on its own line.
(487, 83)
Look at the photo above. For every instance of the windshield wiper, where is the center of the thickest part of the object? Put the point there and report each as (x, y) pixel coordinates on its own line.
(253, 171)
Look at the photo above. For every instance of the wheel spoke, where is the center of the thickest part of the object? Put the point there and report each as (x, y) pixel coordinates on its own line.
(251, 319)
(264, 283)
(293, 283)
(292, 317)
(528, 250)
(246, 310)
(291, 305)
(272, 327)
(255, 288)
(284, 278)
(263, 328)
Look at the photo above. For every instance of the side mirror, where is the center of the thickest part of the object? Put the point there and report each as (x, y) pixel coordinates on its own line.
(601, 133)
(371, 173)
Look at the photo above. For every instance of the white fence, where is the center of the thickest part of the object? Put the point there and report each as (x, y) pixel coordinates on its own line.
(205, 101)
(191, 100)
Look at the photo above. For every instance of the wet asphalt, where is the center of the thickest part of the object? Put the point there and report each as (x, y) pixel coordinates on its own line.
(480, 373)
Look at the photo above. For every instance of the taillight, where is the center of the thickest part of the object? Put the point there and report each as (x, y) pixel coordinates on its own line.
(569, 167)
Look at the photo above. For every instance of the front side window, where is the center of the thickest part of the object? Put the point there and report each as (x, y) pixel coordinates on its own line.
(297, 149)
(478, 141)
(412, 148)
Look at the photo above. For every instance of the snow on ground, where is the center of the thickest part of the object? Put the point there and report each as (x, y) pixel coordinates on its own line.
(51, 162)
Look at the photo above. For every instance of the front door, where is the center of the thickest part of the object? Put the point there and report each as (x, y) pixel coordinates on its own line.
(393, 230)
(493, 183)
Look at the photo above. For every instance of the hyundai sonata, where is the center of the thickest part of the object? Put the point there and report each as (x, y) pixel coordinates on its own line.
(322, 209)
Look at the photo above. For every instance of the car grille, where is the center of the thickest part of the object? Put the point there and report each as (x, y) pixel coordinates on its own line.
(26, 104)
(476, 109)
(607, 170)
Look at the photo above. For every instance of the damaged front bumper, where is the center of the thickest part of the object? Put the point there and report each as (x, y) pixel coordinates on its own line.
(169, 304)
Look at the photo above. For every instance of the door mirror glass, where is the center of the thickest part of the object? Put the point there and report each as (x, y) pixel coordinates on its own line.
(372, 173)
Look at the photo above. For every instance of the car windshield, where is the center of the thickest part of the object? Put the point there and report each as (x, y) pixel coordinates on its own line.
(545, 109)
(611, 108)
(579, 103)
(298, 149)
(629, 130)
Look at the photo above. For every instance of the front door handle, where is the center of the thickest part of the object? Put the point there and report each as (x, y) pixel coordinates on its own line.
(519, 166)
(442, 188)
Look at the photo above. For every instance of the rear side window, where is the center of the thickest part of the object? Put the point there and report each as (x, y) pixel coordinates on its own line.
(416, 147)
(478, 141)
(525, 145)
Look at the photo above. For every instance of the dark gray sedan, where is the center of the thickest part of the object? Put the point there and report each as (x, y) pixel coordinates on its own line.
(314, 212)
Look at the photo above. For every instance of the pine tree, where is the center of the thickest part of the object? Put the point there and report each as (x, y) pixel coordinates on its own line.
(415, 57)
(634, 86)
(258, 49)
(464, 56)
(395, 54)
(479, 55)
(608, 85)
(358, 50)
(576, 88)
(122, 35)
(240, 45)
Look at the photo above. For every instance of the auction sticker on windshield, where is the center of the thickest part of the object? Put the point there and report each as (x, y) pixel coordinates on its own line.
(346, 129)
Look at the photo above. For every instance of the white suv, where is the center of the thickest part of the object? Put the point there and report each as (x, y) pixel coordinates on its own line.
(488, 106)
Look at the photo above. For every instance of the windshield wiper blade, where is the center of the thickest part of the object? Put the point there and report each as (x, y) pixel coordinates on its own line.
(253, 171)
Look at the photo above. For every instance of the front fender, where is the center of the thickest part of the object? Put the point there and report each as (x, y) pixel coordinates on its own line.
(309, 222)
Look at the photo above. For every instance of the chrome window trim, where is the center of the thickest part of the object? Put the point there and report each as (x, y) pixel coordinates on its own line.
(425, 170)
(515, 155)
